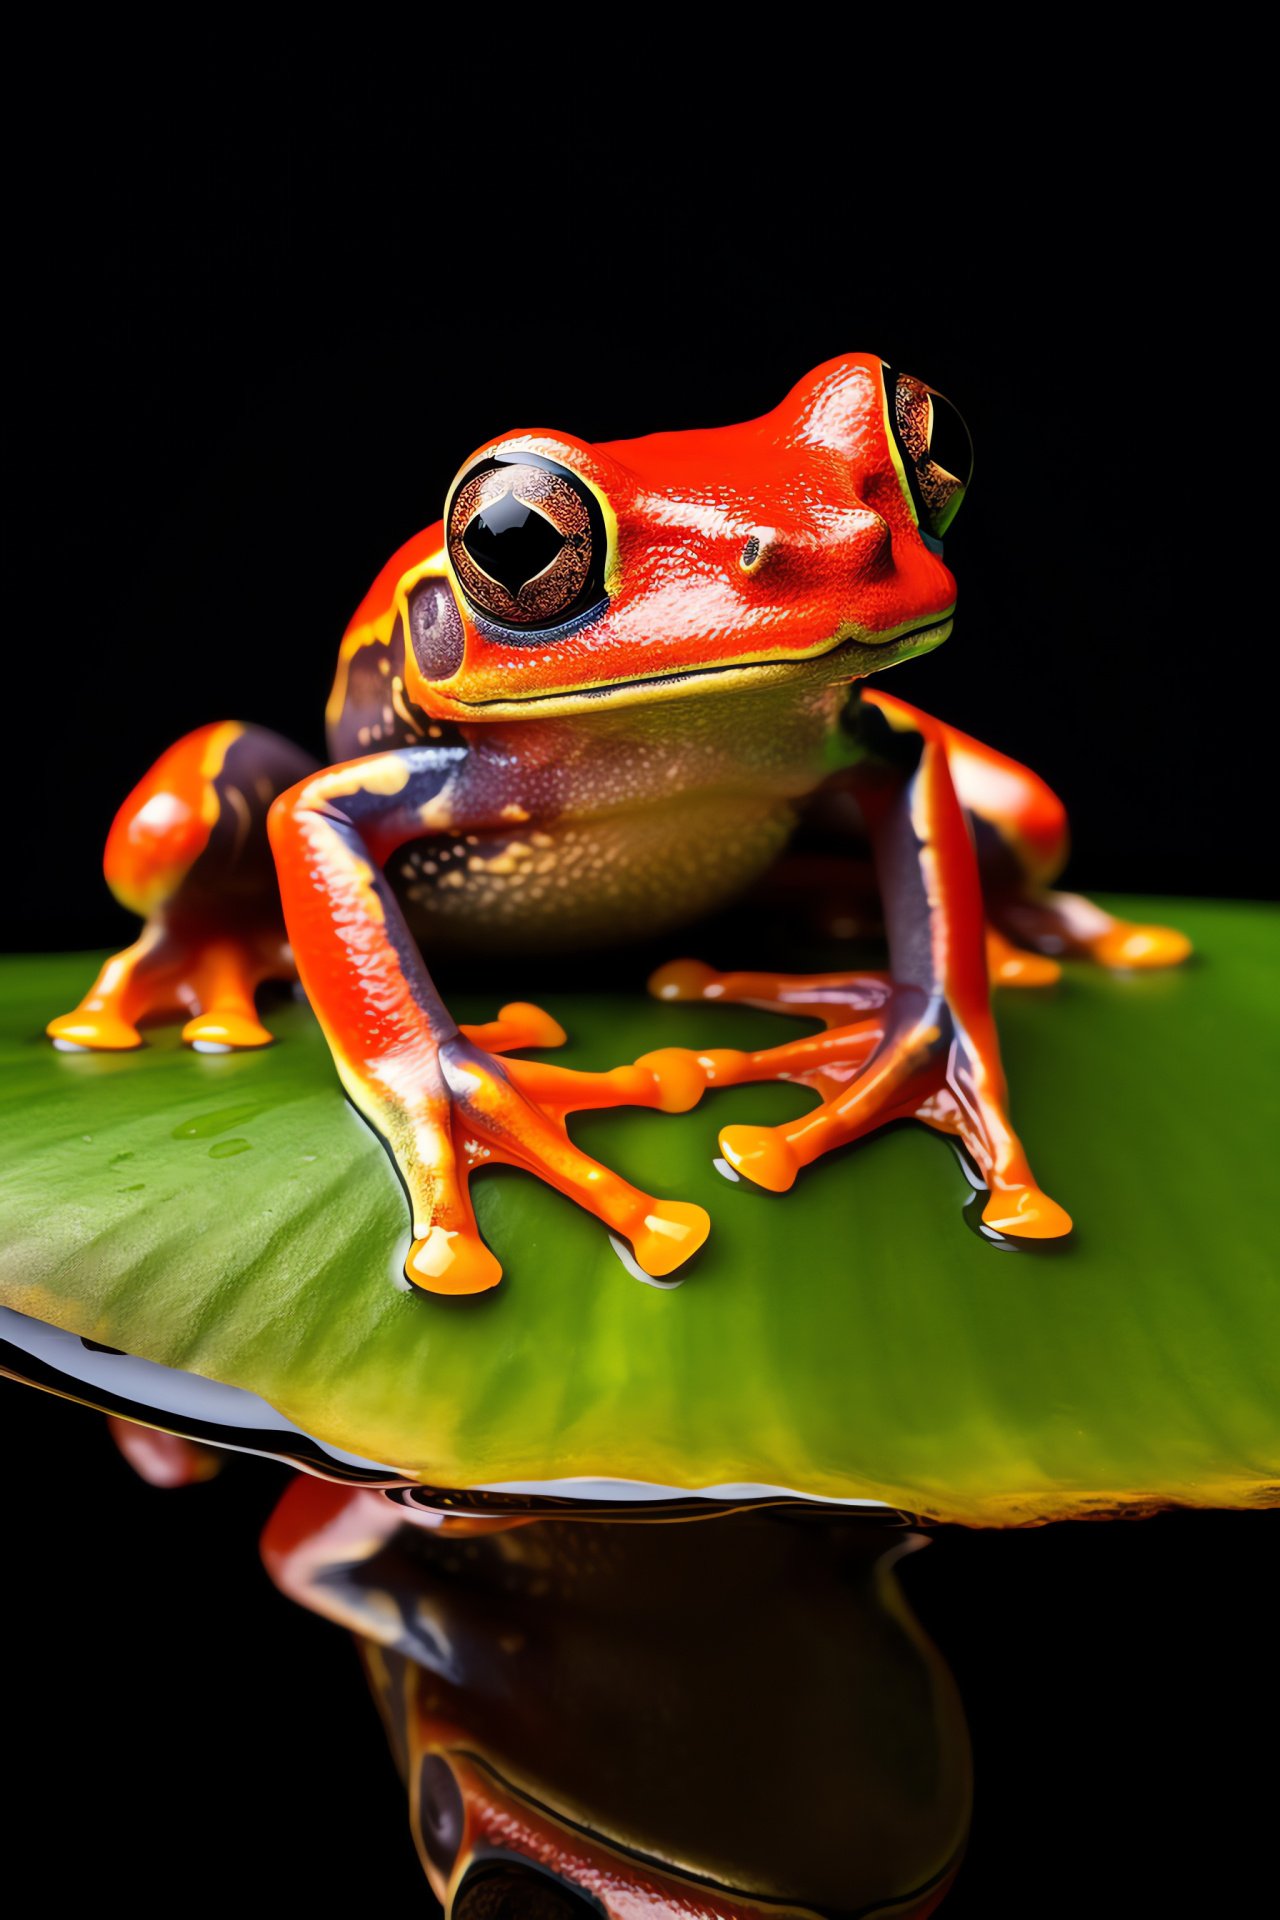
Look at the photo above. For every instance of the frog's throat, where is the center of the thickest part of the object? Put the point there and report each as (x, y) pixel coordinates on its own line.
(851, 659)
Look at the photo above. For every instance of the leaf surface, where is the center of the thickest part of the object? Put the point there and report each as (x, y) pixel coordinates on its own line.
(230, 1215)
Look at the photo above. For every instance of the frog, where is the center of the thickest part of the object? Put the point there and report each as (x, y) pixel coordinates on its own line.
(591, 703)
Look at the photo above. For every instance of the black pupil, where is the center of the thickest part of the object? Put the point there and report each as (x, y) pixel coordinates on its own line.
(511, 541)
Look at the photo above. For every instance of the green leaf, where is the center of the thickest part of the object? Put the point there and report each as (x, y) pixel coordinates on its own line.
(230, 1215)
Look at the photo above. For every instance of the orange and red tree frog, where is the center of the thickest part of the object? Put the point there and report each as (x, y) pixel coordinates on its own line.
(590, 704)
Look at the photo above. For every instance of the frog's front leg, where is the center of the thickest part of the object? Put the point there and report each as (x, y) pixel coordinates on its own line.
(440, 1096)
(188, 852)
(1020, 826)
(923, 1044)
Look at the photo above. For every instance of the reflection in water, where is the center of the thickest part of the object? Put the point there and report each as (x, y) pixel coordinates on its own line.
(732, 1717)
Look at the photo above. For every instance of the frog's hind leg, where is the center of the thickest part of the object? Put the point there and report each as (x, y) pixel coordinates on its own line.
(917, 1043)
(1020, 829)
(188, 851)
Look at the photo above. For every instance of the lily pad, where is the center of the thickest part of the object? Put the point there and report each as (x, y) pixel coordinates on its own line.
(231, 1216)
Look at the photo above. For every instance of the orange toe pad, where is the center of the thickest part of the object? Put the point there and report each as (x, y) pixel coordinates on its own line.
(226, 1029)
(444, 1262)
(669, 1235)
(106, 1031)
(1024, 1213)
(1127, 945)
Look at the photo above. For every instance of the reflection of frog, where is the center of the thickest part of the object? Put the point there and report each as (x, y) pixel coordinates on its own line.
(733, 1718)
(589, 705)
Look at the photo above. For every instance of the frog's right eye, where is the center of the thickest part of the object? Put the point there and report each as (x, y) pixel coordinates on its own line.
(527, 542)
(439, 1812)
(934, 445)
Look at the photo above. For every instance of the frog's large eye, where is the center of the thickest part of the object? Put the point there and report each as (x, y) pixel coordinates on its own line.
(439, 1812)
(937, 453)
(527, 542)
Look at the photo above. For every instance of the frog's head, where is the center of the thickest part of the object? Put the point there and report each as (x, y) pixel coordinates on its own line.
(567, 577)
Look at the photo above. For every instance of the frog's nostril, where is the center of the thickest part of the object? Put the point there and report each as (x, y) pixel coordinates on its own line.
(755, 551)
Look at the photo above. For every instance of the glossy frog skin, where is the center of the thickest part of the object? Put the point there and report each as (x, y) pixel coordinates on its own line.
(591, 703)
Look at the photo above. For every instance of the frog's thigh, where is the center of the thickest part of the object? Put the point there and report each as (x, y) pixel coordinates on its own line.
(188, 852)
(1026, 838)
(1020, 832)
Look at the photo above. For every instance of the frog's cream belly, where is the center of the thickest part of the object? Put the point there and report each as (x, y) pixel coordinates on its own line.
(589, 882)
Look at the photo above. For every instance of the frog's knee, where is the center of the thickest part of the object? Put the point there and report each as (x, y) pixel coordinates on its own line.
(204, 801)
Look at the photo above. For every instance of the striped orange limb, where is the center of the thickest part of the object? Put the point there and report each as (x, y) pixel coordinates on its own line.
(443, 1099)
(1052, 923)
(188, 852)
(1021, 829)
(921, 1044)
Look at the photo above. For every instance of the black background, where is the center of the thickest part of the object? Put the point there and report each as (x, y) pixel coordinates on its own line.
(255, 350)
(180, 1733)
(267, 301)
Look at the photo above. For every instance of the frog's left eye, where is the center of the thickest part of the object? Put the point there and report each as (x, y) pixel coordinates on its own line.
(937, 453)
(527, 541)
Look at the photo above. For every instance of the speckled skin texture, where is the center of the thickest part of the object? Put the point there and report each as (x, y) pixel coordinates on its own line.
(594, 828)
(638, 820)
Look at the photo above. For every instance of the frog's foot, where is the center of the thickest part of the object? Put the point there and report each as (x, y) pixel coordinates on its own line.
(491, 1112)
(1010, 966)
(161, 975)
(1067, 923)
(900, 1056)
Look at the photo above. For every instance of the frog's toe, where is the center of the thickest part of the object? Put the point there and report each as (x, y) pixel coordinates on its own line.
(517, 1026)
(668, 1235)
(1024, 1213)
(86, 1030)
(440, 1261)
(224, 1030)
(684, 980)
(1127, 945)
(761, 1154)
(1010, 966)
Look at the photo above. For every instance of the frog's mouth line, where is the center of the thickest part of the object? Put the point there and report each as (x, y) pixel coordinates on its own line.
(911, 639)
(668, 1873)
